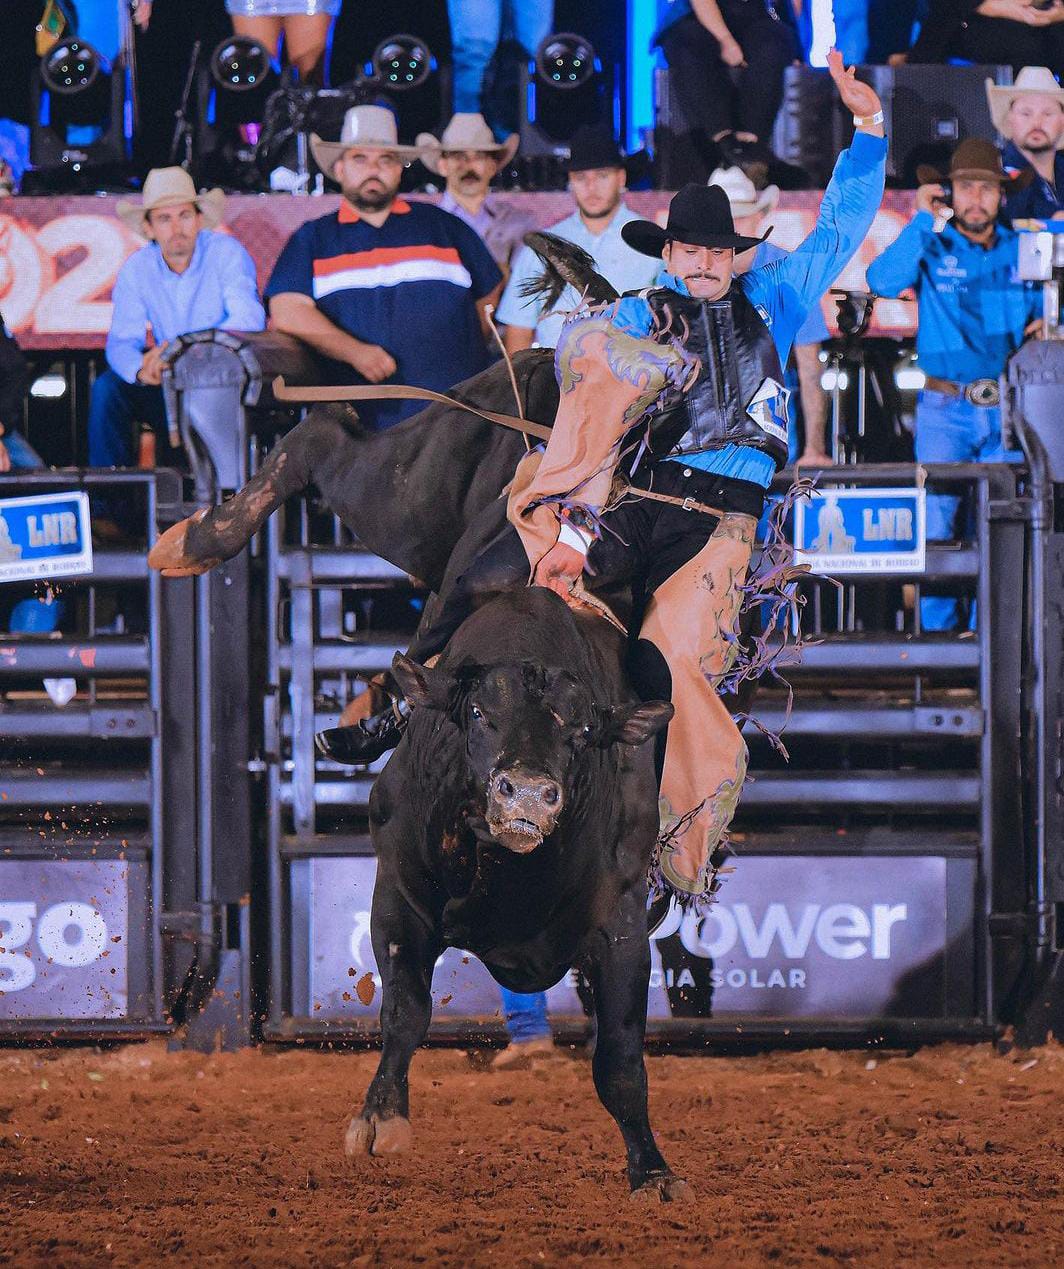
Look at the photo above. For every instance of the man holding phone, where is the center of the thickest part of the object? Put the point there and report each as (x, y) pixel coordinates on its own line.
(961, 260)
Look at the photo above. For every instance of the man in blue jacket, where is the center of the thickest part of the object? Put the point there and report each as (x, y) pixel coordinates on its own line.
(961, 260)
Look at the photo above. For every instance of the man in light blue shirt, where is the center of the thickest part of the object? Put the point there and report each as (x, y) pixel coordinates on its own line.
(187, 278)
(973, 312)
(596, 182)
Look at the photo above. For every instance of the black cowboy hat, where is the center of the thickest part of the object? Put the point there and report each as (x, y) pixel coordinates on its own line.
(699, 214)
(592, 147)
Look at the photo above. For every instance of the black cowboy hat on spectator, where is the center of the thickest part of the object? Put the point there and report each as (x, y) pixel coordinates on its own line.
(593, 147)
(698, 214)
(975, 160)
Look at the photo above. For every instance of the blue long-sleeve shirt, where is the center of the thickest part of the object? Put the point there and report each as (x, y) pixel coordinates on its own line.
(973, 307)
(217, 289)
(1041, 199)
(784, 291)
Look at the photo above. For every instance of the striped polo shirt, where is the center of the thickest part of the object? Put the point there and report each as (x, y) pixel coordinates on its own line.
(410, 286)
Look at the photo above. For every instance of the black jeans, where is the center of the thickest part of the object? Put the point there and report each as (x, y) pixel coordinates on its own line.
(642, 544)
(703, 81)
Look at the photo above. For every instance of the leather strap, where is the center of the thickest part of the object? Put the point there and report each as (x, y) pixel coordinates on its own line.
(685, 504)
(400, 392)
(946, 386)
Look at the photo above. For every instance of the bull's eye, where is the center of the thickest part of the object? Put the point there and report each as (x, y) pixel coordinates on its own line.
(586, 731)
(476, 711)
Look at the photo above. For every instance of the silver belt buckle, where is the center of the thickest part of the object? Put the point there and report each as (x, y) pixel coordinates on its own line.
(984, 392)
(688, 504)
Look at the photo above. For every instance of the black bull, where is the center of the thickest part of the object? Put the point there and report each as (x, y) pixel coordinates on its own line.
(425, 495)
(517, 820)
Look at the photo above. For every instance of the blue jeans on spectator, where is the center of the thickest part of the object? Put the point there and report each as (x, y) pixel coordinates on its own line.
(949, 430)
(526, 1015)
(113, 409)
(476, 28)
(20, 451)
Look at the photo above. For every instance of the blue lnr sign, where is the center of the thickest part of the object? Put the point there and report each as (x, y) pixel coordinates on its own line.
(861, 531)
(45, 536)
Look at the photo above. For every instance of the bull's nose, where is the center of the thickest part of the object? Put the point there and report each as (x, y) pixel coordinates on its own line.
(517, 788)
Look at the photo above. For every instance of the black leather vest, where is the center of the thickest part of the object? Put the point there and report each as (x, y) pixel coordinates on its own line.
(739, 363)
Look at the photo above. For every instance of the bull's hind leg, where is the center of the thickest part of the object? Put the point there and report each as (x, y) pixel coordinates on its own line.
(406, 951)
(320, 450)
(619, 973)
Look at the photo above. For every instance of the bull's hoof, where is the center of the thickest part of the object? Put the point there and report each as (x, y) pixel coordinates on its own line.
(664, 1187)
(169, 555)
(377, 1136)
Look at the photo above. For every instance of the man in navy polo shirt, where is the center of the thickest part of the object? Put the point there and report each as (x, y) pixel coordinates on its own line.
(393, 290)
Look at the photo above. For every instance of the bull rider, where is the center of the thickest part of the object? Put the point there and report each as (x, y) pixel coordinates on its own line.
(679, 387)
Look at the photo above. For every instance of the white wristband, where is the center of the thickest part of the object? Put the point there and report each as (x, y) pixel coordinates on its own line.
(870, 122)
(578, 539)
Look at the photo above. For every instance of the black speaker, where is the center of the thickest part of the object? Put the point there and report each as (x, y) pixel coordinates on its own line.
(927, 110)
(77, 134)
(680, 153)
(808, 132)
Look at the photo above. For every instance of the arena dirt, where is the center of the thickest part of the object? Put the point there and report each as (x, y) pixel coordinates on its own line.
(952, 1156)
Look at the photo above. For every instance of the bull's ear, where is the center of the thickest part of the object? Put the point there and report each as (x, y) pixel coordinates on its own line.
(633, 724)
(420, 685)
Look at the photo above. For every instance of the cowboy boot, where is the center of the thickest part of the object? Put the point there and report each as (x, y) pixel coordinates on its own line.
(366, 740)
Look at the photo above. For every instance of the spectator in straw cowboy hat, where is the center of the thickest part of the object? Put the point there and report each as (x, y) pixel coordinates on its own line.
(468, 157)
(750, 207)
(385, 288)
(185, 278)
(1029, 114)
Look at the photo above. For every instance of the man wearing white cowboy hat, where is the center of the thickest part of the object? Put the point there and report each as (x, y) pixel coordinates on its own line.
(185, 278)
(749, 208)
(1029, 114)
(384, 287)
(468, 157)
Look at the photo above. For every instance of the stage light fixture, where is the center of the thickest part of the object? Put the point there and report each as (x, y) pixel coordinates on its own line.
(566, 61)
(402, 62)
(233, 89)
(240, 65)
(563, 87)
(71, 67)
(78, 136)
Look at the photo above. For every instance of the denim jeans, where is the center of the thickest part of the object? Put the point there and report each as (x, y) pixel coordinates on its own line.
(476, 28)
(20, 451)
(113, 409)
(949, 430)
(526, 1014)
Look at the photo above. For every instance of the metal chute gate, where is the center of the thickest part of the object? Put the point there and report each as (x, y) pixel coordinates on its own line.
(899, 878)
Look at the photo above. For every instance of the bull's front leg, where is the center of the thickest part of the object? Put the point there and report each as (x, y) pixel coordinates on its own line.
(406, 948)
(619, 973)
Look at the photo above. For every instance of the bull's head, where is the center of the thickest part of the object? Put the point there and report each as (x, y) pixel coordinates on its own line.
(526, 728)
